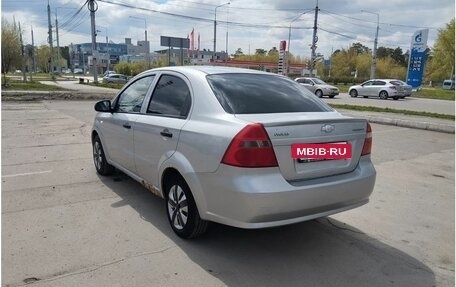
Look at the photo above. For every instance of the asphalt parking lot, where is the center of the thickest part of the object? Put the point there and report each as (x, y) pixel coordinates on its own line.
(63, 225)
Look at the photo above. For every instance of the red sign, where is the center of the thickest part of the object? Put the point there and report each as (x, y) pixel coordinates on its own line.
(321, 151)
(283, 46)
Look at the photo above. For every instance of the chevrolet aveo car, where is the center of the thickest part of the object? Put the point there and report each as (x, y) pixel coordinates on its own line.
(216, 144)
(382, 88)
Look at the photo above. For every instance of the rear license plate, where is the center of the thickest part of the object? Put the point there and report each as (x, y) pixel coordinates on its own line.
(321, 151)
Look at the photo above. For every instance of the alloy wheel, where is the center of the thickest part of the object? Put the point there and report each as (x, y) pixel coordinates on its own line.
(177, 207)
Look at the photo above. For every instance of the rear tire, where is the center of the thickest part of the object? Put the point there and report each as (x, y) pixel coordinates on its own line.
(99, 159)
(183, 215)
(353, 93)
(395, 98)
(331, 97)
(383, 95)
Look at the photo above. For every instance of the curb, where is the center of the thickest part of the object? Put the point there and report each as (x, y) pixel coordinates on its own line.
(422, 125)
(54, 95)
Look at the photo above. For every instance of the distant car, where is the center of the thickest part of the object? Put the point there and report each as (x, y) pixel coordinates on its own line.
(448, 85)
(227, 145)
(108, 73)
(318, 87)
(381, 88)
(407, 88)
(115, 78)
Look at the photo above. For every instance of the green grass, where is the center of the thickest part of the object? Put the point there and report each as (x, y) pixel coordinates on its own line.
(107, 85)
(343, 88)
(13, 85)
(435, 93)
(393, 111)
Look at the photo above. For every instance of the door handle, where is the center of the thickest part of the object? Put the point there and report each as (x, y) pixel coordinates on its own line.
(166, 133)
(127, 125)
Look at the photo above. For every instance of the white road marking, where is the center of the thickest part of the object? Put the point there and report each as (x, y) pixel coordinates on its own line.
(27, 173)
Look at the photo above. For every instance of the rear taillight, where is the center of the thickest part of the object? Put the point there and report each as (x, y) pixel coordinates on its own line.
(251, 147)
(367, 147)
(393, 88)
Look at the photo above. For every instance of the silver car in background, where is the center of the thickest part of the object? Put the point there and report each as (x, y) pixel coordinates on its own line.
(318, 87)
(381, 88)
(216, 144)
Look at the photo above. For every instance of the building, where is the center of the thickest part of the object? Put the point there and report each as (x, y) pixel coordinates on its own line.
(108, 54)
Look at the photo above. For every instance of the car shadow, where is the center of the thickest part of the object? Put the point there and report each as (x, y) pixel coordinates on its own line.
(323, 252)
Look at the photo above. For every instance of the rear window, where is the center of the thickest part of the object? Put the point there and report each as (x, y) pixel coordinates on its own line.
(262, 94)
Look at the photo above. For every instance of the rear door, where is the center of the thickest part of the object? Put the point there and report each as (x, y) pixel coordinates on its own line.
(157, 131)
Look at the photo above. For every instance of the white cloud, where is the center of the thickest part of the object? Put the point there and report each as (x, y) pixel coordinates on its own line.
(341, 23)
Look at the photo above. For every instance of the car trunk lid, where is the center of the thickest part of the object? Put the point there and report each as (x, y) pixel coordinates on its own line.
(284, 130)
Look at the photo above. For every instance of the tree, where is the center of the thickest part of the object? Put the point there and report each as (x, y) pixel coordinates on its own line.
(442, 55)
(11, 47)
(260, 52)
(273, 52)
(359, 48)
(238, 53)
(43, 58)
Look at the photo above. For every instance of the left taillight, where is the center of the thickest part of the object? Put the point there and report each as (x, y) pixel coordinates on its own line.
(367, 147)
(251, 147)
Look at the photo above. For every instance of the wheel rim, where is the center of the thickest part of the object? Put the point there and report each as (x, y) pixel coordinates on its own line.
(353, 93)
(319, 94)
(97, 155)
(177, 207)
(383, 95)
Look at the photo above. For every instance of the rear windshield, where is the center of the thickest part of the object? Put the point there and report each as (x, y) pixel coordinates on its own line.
(262, 94)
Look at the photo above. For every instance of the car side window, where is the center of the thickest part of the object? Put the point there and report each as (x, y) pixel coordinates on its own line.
(380, 83)
(171, 97)
(131, 99)
(366, 84)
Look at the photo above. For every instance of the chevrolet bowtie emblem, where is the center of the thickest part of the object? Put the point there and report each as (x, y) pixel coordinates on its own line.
(328, 128)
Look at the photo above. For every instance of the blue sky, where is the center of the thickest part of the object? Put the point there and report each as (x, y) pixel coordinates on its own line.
(251, 24)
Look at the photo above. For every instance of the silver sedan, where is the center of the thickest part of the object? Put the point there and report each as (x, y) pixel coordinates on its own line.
(238, 147)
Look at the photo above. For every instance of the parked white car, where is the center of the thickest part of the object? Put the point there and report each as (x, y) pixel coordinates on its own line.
(381, 88)
(217, 144)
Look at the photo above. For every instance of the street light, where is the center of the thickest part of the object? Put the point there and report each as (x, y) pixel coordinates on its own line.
(215, 30)
(289, 39)
(145, 37)
(374, 53)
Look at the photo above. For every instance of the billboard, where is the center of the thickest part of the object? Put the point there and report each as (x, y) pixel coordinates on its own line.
(417, 58)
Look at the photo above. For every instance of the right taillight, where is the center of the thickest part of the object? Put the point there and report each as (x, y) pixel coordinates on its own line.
(251, 147)
(367, 147)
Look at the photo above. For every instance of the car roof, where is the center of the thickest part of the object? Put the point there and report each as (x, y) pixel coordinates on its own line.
(209, 70)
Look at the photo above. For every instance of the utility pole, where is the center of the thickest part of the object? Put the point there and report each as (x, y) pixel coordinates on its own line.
(374, 52)
(215, 31)
(51, 55)
(93, 7)
(314, 42)
(33, 56)
(24, 76)
(59, 66)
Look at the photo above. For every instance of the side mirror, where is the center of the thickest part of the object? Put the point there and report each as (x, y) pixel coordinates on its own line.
(103, 106)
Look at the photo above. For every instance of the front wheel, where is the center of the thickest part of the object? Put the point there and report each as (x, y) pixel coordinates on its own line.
(319, 93)
(182, 212)
(353, 93)
(99, 159)
(331, 97)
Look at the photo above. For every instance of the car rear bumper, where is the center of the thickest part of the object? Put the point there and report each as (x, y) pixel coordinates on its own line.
(259, 198)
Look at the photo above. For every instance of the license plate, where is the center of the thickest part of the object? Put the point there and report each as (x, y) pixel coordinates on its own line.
(321, 151)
